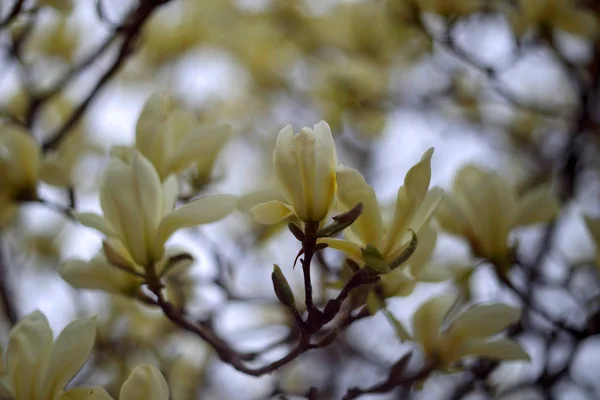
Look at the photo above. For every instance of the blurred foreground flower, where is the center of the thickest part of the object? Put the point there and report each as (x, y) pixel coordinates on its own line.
(21, 169)
(483, 208)
(446, 342)
(145, 383)
(305, 168)
(138, 213)
(37, 368)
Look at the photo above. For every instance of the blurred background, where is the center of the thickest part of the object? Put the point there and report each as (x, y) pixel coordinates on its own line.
(509, 85)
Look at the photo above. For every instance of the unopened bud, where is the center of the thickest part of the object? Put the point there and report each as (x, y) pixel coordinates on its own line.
(282, 288)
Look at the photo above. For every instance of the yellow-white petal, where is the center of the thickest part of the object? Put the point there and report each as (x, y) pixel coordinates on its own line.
(85, 393)
(353, 189)
(118, 198)
(428, 319)
(54, 173)
(501, 349)
(149, 196)
(69, 353)
(201, 146)
(153, 137)
(351, 249)
(29, 347)
(271, 212)
(202, 211)
(95, 221)
(145, 383)
(483, 320)
(98, 274)
(427, 238)
(451, 217)
(536, 206)
(410, 197)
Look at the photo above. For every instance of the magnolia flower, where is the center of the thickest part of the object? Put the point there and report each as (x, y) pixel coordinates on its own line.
(145, 383)
(447, 342)
(38, 368)
(484, 209)
(414, 207)
(138, 212)
(173, 140)
(21, 168)
(305, 169)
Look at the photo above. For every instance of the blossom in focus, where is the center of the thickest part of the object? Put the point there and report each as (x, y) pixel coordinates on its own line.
(445, 343)
(138, 212)
(38, 368)
(305, 166)
(173, 139)
(484, 209)
(415, 205)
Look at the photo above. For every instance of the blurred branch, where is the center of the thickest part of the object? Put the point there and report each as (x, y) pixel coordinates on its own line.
(8, 306)
(131, 29)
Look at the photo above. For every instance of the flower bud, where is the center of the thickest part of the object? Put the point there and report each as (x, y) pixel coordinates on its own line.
(282, 288)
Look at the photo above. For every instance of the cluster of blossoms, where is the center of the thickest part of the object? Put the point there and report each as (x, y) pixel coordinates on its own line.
(387, 253)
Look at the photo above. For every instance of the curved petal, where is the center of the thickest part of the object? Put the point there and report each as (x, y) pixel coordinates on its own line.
(351, 249)
(271, 212)
(118, 198)
(85, 393)
(502, 349)
(451, 217)
(483, 320)
(145, 383)
(152, 135)
(54, 173)
(202, 211)
(170, 192)
(427, 238)
(410, 197)
(149, 192)
(202, 147)
(69, 353)
(353, 189)
(428, 319)
(95, 221)
(29, 346)
(536, 206)
(98, 275)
